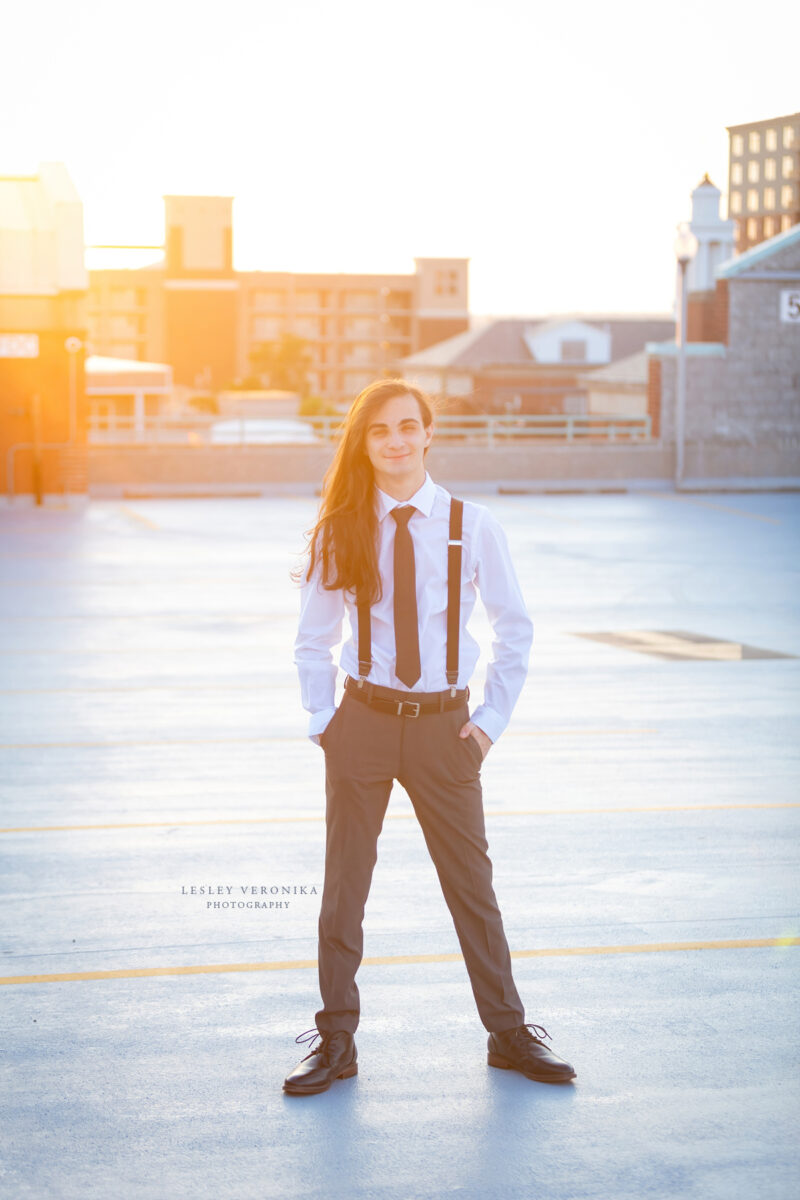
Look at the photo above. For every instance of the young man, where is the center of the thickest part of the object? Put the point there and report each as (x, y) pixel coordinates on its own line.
(388, 551)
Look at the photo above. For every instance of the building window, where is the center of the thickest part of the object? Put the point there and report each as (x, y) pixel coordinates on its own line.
(737, 144)
(771, 139)
(573, 351)
(266, 329)
(123, 297)
(789, 137)
(306, 327)
(753, 172)
(787, 166)
(787, 196)
(770, 168)
(306, 301)
(446, 283)
(786, 222)
(736, 173)
(754, 142)
(752, 200)
(269, 300)
(770, 227)
(769, 197)
(736, 202)
(752, 229)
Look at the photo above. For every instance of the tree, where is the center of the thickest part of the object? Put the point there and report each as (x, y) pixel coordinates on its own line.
(283, 364)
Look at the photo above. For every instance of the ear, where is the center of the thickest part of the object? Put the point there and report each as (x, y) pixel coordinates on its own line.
(428, 434)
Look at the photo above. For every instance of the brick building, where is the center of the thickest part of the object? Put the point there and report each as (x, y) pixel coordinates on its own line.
(764, 178)
(528, 364)
(743, 381)
(194, 311)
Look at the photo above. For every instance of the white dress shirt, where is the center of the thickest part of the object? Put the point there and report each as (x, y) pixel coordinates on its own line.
(486, 567)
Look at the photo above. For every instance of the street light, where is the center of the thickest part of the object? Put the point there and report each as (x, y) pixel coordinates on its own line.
(685, 250)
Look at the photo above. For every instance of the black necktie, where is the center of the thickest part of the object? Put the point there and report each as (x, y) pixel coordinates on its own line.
(406, 633)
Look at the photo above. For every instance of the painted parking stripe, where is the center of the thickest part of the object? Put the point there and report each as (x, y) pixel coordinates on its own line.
(403, 816)
(401, 959)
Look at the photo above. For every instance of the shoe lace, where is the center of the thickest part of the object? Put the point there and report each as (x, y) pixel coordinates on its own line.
(522, 1032)
(309, 1036)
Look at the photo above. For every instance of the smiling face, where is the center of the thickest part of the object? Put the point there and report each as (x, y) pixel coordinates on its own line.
(395, 442)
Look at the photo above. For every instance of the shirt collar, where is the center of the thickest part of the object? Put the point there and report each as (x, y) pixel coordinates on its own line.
(422, 499)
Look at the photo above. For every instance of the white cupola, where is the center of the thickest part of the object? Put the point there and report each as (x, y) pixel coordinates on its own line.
(714, 237)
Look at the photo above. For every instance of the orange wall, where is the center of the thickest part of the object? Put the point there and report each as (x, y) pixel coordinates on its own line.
(21, 379)
(201, 332)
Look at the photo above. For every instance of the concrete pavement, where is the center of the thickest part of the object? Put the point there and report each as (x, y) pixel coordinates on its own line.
(642, 813)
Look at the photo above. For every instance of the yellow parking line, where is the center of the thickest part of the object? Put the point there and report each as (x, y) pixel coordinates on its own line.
(726, 508)
(137, 516)
(241, 741)
(402, 816)
(398, 959)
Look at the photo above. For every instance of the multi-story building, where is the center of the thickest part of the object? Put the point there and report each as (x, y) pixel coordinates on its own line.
(764, 178)
(42, 333)
(194, 311)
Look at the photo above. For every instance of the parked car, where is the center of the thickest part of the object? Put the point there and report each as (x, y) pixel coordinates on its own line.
(266, 431)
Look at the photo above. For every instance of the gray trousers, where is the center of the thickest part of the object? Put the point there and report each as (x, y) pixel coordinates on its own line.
(365, 751)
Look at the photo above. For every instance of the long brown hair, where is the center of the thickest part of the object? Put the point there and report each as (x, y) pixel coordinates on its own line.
(345, 536)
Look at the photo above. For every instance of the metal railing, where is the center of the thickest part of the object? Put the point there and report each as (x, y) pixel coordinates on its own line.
(469, 429)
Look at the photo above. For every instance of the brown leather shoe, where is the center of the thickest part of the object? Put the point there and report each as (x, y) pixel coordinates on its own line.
(518, 1050)
(334, 1058)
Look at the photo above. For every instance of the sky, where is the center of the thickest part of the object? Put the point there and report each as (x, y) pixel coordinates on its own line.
(554, 145)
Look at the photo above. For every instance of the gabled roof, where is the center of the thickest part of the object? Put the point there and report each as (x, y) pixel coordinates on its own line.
(760, 253)
(632, 369)
(495, 341)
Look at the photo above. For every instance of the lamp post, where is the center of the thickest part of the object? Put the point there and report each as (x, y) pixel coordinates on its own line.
(685, 250)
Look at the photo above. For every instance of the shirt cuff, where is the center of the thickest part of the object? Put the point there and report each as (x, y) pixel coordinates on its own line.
(318, 723)
(491, 722)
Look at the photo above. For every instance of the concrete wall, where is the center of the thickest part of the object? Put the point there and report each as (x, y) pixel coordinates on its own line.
(117, 470)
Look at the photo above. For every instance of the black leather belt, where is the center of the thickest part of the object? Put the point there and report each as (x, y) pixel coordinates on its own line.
(399, 704)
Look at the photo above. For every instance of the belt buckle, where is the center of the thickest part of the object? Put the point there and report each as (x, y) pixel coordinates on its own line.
(401, 704)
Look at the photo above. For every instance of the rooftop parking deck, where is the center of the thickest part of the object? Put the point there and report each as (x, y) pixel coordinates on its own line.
(642, 816)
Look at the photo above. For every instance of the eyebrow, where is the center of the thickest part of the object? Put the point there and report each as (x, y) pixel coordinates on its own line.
(383, 424)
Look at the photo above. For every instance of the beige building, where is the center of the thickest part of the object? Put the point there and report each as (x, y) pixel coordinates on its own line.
(195, 312)
(764, 178)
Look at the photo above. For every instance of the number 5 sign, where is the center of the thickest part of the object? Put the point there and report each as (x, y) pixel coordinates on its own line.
(790, 306)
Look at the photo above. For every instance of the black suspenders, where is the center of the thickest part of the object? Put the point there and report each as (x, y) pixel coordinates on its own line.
(454, 543)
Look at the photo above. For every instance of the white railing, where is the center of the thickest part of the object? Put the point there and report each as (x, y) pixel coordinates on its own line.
(477, 429)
